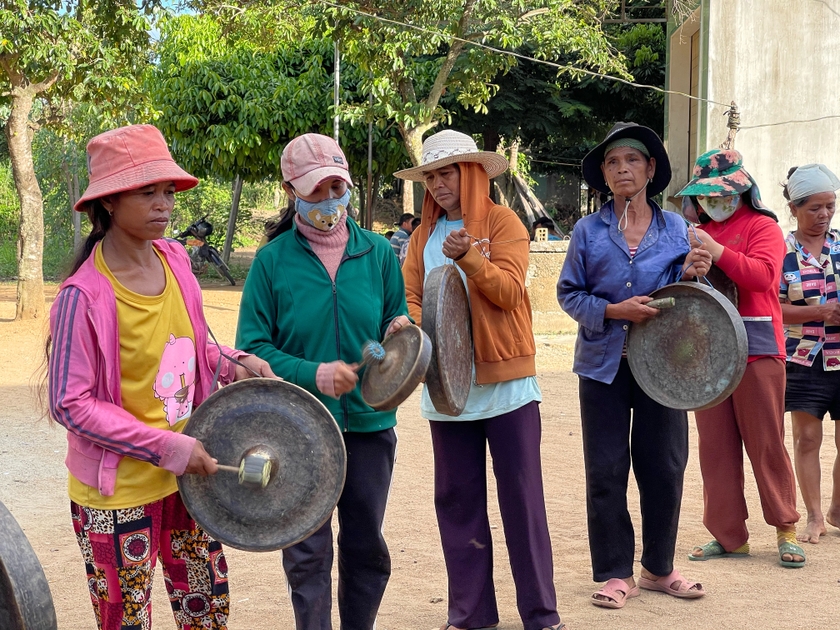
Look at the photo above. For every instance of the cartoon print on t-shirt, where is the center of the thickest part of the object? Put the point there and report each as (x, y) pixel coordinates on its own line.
(175, 380)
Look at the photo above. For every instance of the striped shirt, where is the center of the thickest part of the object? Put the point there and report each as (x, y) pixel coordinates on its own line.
(811, 281)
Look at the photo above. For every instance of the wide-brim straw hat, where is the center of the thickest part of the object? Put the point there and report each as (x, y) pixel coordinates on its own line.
(449, 147)
(593, 175)
(129, 158)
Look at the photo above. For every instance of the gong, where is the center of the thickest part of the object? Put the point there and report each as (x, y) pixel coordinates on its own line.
(446, 320)
(290, 428)
(388, 382)
(690, 356)
(723, 283)
(25, 599)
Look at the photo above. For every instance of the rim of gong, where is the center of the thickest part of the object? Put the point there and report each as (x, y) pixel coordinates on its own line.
(446, 396)
(740, 336)
(234, 389)
(424, 355)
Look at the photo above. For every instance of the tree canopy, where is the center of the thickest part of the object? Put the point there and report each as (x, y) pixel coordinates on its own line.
(410, 53)
(82, 50)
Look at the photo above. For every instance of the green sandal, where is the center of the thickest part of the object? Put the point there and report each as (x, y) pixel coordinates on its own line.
(713, 550)
(794, 550)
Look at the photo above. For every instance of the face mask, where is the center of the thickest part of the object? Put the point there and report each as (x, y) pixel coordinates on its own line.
(720, 209)
(323, 215)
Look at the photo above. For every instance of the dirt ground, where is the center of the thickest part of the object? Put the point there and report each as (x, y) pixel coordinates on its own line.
(745, 593)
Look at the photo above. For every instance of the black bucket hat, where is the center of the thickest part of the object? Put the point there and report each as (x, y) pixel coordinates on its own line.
(593, 160)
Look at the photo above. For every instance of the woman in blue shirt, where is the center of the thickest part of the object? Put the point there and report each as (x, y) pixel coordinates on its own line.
(616, 258)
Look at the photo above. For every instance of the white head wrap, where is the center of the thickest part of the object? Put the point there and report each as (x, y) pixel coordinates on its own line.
(811, 179)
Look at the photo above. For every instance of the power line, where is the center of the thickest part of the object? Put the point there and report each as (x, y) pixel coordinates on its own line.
(791, 122)
(577, 164)
(516, 54)
(552, 64)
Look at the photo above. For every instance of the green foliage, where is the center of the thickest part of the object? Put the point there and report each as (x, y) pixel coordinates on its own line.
(229, 110)
(408, 69)
(9, 206)
(58, 257)
(75, 50)
(210, 198)
(558, 118)
(229, 106)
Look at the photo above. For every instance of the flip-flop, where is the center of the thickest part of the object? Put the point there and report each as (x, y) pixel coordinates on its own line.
(712, 550)
(618, 593)
(448, 625)
(794, 550)
(684, 589)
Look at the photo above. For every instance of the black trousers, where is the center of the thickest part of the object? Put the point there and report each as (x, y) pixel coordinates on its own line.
(364, 563)
(655, 441)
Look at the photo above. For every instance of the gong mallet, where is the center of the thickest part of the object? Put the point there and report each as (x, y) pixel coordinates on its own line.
(666, 302)
(372, 352)
(254, 471)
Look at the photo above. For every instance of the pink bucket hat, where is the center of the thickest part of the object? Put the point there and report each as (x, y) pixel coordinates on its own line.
(312, 158)
(128, 158)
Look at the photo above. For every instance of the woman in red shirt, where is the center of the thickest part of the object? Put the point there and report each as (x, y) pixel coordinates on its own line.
(746, 244)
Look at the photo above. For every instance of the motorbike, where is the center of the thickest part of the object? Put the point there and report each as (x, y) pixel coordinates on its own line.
(194, 239)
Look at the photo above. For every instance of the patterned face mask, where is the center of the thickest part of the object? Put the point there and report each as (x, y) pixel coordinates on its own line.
(720, 209)
(323, 215)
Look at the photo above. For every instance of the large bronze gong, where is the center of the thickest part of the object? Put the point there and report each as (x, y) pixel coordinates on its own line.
(387, 383)
(25, 599)
(691, 356)
(293, 430)
(446, 320)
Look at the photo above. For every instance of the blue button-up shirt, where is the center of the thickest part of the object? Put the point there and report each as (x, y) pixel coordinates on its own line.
(599, 270)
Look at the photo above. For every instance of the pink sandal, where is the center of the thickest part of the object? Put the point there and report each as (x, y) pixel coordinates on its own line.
(684, 590)
(618, 593)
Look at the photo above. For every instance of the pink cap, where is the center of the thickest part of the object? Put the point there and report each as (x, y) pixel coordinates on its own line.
(129, 158)
(312, 158)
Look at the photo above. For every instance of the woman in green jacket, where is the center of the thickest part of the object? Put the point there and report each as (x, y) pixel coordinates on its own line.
(313, 297)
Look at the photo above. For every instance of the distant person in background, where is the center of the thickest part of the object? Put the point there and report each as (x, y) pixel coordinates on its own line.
(389, 234)
(811, 315)
(404, 247)
(548, 224)
(406, 227)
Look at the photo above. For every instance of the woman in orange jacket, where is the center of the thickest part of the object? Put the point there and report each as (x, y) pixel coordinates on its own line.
(488, 244)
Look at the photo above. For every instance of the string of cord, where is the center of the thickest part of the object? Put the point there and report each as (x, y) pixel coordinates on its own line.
(511, 53)
(552, 64)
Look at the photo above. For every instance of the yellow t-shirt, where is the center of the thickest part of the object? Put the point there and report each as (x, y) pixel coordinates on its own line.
(157, 372)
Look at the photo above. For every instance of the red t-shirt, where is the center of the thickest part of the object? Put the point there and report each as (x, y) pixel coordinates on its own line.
(752, 258)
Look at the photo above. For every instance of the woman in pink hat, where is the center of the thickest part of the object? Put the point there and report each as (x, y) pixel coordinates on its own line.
(129, 358)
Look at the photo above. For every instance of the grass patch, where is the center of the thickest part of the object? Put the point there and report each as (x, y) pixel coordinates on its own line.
(57, 260)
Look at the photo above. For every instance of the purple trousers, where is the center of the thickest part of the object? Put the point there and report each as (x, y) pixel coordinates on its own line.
(460, 450)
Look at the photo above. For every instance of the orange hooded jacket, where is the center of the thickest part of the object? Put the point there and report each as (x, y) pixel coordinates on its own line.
(500, 310)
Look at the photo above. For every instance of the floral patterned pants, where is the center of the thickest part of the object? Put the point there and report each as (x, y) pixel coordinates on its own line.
(121, 548)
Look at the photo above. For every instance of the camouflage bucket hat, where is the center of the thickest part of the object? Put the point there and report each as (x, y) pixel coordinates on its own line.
(718, 173)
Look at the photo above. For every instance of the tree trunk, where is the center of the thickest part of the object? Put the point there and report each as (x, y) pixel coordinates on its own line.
(413, 140)
(77, 216)
(234, 210)
(491, 139)
(30, 246)
(71, 180)
(408, 196)
(373, 196)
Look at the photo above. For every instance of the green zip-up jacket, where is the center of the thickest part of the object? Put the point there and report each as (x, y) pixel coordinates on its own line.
(295, 317)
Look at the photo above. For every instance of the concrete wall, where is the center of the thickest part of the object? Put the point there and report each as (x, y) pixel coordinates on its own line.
(544, 264)
(777, 59)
